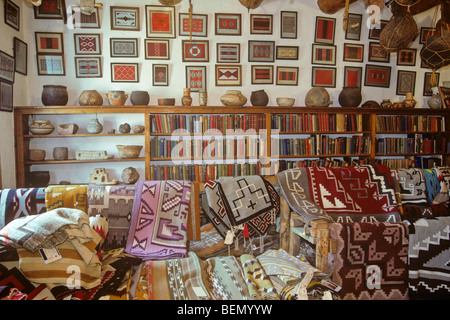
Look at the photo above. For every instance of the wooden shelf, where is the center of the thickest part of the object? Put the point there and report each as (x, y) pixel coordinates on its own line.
(82, 161)
(82, 135)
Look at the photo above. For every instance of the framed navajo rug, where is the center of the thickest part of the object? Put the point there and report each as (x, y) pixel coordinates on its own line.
(287, 52)
(375, 30)
(51, 9)
(157, 49)
(261, 23)
(262, 74)
(261, 51)
(199, 25)
(88, 67)
(196, 78)
(377, 53)
(228, 24)
(288, 24)
(125, 18)
(287, 76)
(407, 57)
(160, 74)
(81, 20)
(51, 65)
(195, 51)
(324, 77)
(427, 83)
(124, 47)
(124, 72)
(7, 67)
(352, 76)
(323, 54)
(377, 76)
(353, 31)
(21, 56)
(325, 29)
(425, 33)
(49, 42)
(406, 82)
(12, 14)
(6, 96)
(87, 44)
(160, 21)
(353, 52)
(228, 75)
(228, 53)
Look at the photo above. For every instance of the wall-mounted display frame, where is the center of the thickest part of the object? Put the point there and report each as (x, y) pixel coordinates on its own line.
(353, 52)
(425, 33)
(196, 78)
(6, 96)
(12, 14)
(228, 24)
(325, 30)
(51, 9)
(377, 53)
(51, 65)
(407, 57)
(261, 23)
(160, 21)
(21, 56)
(352, 76)
(160, 75)
(228, 75)
(125, 18)
(353, 31)
(287, 52)
(157, 49)
(7, 67)
(323, 77)
(288, 24)
(49, 42)
(287, 76)
(88, 67)
(124, 47)
(86, 21)
(324, 54)
(228, 53)
(375, 30)
(199, 25)
(427, 83)
(377, 76)
(195, 50)
(262, 74)
(406, 82)
(87, 43)
(124, 72)
(261, 51)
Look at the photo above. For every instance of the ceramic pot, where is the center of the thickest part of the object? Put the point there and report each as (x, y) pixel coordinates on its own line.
(203, 97)
(129, 151)
(259, 98)
(233, 98)
(139, 98)
(39, 178)
(130, 175)
(54, 95)
(124, 128)
(317, 97)
(67, 128)
(90, 98)
(186, 100)
(350, 97)
(94, 126)
(386, 103)
(60, 153)
(41, 127)
(117, 97)
(435, 102)
(37, 155)
(285, 102)
(409, 101)
(166, 101)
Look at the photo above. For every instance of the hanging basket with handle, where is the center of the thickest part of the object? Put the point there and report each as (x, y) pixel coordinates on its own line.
(399, 32)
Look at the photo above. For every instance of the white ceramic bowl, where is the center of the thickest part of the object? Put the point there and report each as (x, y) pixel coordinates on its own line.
(285, 102)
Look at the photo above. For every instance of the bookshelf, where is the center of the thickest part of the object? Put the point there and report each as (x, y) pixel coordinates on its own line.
(199, 143)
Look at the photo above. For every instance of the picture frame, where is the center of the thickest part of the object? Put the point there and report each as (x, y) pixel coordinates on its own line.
(287, 52)
(324, 54)
(125, 18)
(406, 82)
(377, 53)
(445, 96)
(20, 56)
(12, 14)
(51, 65)
(6, 96)
(353, 31)
(261, 24)
(87, 43)
(124, 72)
(352, 76)
(353, 52)
(51, 9)
(228, 53)
(261, 51)
(49, 42)
(427, 83)
(377, 76)
(287, 76)
(407, 57)
(374, 32)
(157, 49)
(7, 67)
(325, 30)
(88, 67)
(196, 78)
(195, 50)
(228, 75)
(160, 75)
(124, 47)
(262, 74)
(228, 24)
(323, 77)
(86, 21)
(160, 21)
(199, 25)
(288, 24)
(425, 33)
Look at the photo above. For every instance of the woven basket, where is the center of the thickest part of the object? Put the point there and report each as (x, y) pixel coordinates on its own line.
(169, 2)
(251, 4)
(435, 53)
(407, 2)
(399, 32)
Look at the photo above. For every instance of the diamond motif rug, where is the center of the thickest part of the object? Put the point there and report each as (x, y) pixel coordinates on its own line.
(16, 203)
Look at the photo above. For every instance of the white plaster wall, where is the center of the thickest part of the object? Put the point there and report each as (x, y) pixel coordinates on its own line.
(307, 12)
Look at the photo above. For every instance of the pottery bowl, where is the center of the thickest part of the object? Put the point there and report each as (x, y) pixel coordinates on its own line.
(129, 151)
(68, 128)
(37, 155)
(166, 101)
(285, 102)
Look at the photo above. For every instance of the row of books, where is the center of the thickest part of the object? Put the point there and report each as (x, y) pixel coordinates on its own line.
(404, 123)
(325, 122)
(322, 162)
(392, 145)
(168, 123)
(319, 144)
(410, 162)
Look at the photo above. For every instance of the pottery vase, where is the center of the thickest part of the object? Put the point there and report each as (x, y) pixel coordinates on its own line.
(186, 100)
(94, 126)
(54, 95)
(233, 98)
(386, 103)
(409, 101)
(203, 97)
(350, 97)
(259, 98)
(435, 102)
(41, 127)
(60, 153)
(90, 98)
(117, 97)
(317, 97)
(139, 98)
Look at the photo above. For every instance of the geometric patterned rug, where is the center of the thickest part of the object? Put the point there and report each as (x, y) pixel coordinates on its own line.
(16, 203)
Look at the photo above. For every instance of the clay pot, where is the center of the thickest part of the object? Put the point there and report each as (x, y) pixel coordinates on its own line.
(435, 102)
(130, 175)
(203, 97)
(233, 98)
(409, 101)
(60, 153)
(259, 98)
(129, 151)
(94, 126)
(138, 128)
(68, 128)
(285, 102)
(186, 100)
(41, 127)
(166, 101)
(317, 97)
(386, 103)
(140, 98)
(54, 95)
(124, 128)
(90, 98)
(39, 178)
(37, 155)
(370, 104)
(117, 97)
(350, 97)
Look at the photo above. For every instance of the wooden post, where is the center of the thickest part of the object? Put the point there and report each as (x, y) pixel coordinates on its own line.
(285, 226)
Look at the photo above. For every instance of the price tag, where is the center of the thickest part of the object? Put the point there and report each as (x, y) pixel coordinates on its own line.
(50, 255)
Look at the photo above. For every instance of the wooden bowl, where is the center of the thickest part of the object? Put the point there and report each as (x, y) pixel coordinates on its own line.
(166, 101)
(129, 151)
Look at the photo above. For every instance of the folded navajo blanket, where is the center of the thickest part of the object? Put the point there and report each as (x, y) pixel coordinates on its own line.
(115, 204)
(371, 262)
(361, 193)
(235, 201)
(429, 248)
(259, 285)
(70, 196)
(413, 186)
(159, 220)
(16, 203)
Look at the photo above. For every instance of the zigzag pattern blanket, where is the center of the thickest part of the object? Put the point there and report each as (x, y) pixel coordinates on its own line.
(362, 193)
(16, 203)
(159, 220)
